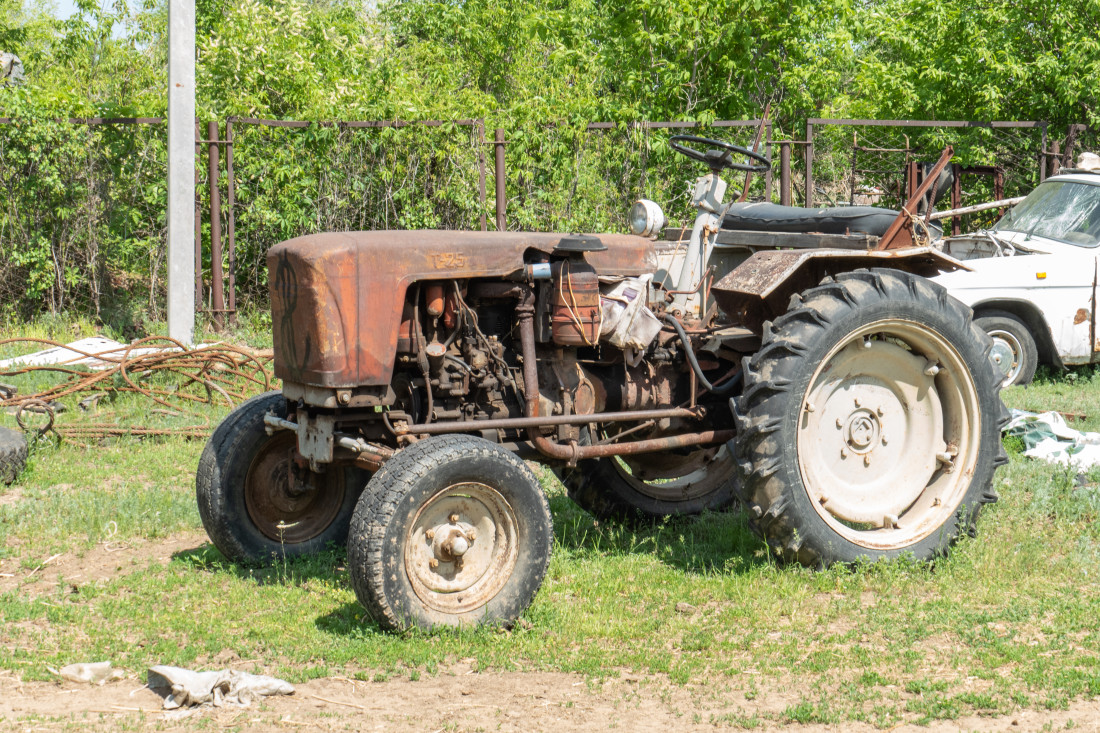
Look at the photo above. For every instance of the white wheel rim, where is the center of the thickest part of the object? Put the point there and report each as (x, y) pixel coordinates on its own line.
(461, 548)
(888, 435)
(1006, 354)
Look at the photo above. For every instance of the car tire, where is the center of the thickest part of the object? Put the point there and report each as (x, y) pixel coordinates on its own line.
(1014, 351)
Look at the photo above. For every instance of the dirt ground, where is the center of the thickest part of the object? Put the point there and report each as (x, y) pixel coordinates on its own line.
(458, 698)
(452, 701)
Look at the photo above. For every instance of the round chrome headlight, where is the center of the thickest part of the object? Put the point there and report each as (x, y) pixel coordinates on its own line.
(646, 218)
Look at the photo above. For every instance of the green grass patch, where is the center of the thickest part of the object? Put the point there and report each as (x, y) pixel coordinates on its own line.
(1008, 619)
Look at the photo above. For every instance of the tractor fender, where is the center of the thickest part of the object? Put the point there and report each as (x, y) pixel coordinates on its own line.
(760, 288)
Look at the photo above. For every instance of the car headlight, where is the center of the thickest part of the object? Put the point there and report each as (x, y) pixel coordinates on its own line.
(646, 218)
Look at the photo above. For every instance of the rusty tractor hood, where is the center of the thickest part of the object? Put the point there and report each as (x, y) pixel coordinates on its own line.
(337, 298)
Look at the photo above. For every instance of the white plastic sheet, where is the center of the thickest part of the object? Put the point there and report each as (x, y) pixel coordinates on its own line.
(1047, 437)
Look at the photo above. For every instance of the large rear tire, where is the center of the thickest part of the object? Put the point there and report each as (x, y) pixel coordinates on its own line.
(870, 422)
(256, 503)
(452, 531)
(645, 488)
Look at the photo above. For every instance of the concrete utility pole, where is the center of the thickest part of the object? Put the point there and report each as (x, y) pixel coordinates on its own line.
(181, 170)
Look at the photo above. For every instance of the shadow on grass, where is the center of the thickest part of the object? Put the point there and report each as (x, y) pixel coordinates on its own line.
(710, 542)
(330, 565)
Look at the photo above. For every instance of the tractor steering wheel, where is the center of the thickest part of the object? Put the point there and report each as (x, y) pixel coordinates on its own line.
(718, 159)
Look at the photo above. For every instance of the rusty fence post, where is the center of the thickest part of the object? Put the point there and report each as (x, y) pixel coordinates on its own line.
(217, 293)
(768, 176)
(481, 172)
(809, 165)
(231, 221)
(198, 218)
(785, 173)
(498, 172)
(1056, 149)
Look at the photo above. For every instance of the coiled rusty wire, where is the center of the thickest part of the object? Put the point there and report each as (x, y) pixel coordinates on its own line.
(174, 376)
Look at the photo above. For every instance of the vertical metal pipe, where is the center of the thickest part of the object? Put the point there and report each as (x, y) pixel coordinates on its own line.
(231, 234)
(809, 165)
(481, 171)
(198, 218)
(768, 175)
(502, 200)
(956, 197)
(785, 173)
(1042, 155)
(216, 292)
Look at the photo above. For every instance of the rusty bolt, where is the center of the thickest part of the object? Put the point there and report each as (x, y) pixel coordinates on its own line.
(430, 534)
(843, 453)
(867, 460)
(433, 563)
(454, 519)
(839, 424)
(471, 534)
(884, 438)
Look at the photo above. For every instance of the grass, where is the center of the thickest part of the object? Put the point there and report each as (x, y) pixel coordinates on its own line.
(1007, 620)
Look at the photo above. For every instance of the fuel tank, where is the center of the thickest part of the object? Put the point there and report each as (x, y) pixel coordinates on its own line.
(337, 298)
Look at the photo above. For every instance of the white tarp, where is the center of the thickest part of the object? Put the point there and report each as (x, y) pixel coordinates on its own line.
(1047, 436)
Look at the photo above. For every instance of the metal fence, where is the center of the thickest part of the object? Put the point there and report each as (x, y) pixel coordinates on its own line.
(82, 223)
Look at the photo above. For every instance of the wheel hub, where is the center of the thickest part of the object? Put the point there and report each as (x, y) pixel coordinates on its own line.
(287, 503)
(462, 547)
(1005, 354)
(862, 431)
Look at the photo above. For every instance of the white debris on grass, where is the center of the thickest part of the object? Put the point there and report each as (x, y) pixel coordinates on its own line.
(91, 672)
(1047, 437)
(185, 688)
(97, 353)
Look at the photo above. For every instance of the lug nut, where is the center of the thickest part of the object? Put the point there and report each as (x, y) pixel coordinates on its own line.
(471, 534)
(884, 439)
(839, 424)
(433, 563)
(430, 534)
(856, 400)
(454, 519)
(879, 411)
(843, 453)
(867, 460)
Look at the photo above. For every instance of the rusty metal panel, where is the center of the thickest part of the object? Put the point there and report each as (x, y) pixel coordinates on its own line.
(758, 288)
(337, 298)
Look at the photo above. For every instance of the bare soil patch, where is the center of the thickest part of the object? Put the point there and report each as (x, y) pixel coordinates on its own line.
(97, 564)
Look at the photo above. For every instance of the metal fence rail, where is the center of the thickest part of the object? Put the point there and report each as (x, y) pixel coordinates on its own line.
(82, 220)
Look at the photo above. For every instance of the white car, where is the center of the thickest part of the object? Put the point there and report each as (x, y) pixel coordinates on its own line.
(1033, 284)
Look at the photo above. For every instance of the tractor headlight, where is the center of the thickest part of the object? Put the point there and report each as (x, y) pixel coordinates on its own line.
(646, 218)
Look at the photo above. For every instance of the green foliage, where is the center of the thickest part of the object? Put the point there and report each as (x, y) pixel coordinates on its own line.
(1002, 60)
(83, 215)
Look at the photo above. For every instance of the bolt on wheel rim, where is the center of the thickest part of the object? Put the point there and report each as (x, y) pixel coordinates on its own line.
(888, 435)
(1006, 355)
(462, 547)
(286, 509)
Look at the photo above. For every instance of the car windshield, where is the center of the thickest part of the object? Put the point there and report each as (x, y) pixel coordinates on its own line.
(1062, 210)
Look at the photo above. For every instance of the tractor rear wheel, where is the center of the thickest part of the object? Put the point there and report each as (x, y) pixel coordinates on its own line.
(648, 487)
(870, 422)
